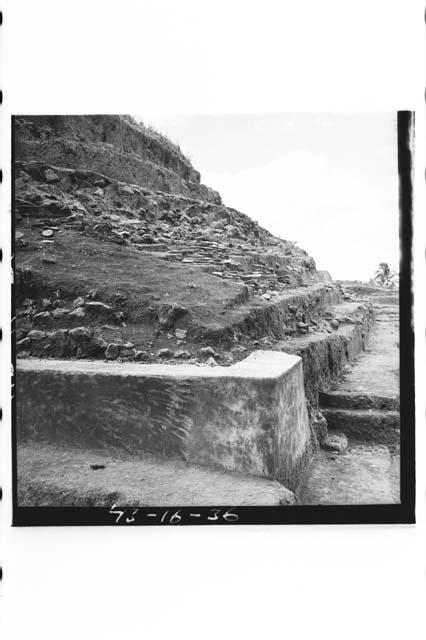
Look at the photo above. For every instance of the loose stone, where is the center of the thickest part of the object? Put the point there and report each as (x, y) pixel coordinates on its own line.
(78, 302)
(165, 353)
(51, 176)
(207, 351)
(182, 355)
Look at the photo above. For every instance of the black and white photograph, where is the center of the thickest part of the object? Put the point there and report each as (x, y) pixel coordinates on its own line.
(212, 329)
(207, 312)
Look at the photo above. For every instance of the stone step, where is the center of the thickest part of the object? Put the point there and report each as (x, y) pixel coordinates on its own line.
(356, 400)
(386, 309)
(364, 474)
(59, 476)
(250, 417)
(371, 291)
(276, 317)
(369, 425)
(326, 355)
(364, 402)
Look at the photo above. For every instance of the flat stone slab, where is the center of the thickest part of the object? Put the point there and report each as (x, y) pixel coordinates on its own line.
(364, 474)
(260, 365)
(364, 402)
(369, 425)
(251, 417)
(56, 476)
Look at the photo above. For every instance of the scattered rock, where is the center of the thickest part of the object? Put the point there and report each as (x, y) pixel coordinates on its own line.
(78, 302)
(141, 355)
(207, 351)
(47, 233)
(127, 354)
(99, 310)
(59, 313)
(48, 259)
(80, 334)
(335, 442)
(50, 176)
(169, 314)
(147, 238)
(182, 355)
(334, 324)
(211, 362)
(96, 467)
(181, 333)
(164, 353)
(46, 303)
(112, 351)
(77, 313)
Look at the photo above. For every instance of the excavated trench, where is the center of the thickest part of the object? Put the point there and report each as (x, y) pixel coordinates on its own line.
(171, 351)
(362, 412)
(323, 468)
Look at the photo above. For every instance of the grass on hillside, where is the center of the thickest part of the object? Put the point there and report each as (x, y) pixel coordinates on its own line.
(84, 263)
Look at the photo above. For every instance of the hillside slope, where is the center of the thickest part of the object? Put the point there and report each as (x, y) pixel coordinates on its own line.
(121, 252)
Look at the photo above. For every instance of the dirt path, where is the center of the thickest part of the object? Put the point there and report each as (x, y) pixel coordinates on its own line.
(364, 404)
(363, 474)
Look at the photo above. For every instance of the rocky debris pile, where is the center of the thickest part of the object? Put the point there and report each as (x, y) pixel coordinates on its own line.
(215, 238)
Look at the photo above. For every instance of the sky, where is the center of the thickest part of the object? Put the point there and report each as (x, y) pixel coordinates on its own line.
(327, 181)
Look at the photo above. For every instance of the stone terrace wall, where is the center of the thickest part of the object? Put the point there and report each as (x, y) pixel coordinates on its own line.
(251, 417)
